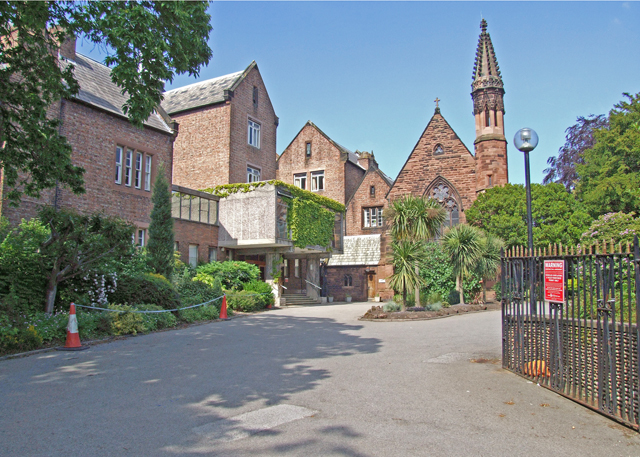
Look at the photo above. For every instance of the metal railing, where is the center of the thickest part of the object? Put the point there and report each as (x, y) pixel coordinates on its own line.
(314, 285)
(585, 348)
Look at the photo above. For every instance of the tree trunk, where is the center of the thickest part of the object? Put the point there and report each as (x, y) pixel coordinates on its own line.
(52, 290)
(459, 280)
(417, 288)
(484, 291)
(404, 298)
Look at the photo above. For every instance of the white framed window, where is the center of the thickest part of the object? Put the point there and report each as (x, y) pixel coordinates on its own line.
(138, 175)
(253, 174)
(372, 217)
(253, 134)
(296, 268)
(147, 173)
(128, 163)
(300, 180)
(193, 255)
(140, 238)
(317, 180)
(119, 153)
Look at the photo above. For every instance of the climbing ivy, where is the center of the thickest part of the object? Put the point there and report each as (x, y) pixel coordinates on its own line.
(310, 223)
(310, 217)
(227, 189)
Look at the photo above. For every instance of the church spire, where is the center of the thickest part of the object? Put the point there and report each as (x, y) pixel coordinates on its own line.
(487, 87)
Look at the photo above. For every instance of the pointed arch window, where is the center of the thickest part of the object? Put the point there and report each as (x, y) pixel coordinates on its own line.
(446, 197)
(438, 150)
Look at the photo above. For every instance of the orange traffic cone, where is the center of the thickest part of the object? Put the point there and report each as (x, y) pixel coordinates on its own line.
(73, 338)
(223, 308)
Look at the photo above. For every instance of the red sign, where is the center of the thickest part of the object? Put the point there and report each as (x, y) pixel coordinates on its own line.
(554, 281)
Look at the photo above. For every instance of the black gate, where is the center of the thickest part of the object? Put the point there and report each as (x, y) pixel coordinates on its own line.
(587, 347)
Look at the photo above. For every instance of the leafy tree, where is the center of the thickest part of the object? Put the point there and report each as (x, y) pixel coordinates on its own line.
(149, 42)
(579, 138)
(488, 262)
(78, 243)
(557, 216)
(436, 271)
(463, 245)
(610, 175)
(405, 257)
(161, 235)
(619, 227)
(232, 274)
(411, 220)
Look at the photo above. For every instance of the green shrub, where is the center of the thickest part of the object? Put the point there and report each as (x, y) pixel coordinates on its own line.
(194, 292)
(454, 297)
(390, 307)
(497, 288)
(14, 339)
(201, 313)
(434, 306)
(245, 301)
(147, 288)
(156, 321)
(126, 323)
(262, 288)
(232, 274)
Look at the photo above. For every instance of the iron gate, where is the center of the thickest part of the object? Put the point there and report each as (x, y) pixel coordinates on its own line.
(587, 347)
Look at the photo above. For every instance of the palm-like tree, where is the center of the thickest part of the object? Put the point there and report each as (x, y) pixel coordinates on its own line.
(463, 245)
(411, 221)
(489, 260)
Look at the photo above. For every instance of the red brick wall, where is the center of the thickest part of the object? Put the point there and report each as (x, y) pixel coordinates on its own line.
(201, 149)
(243, 109)
(363, 199)
(189, 232)
(352, 176)
(324, 156)
(336, 287)
(457, 165)
(93, 135)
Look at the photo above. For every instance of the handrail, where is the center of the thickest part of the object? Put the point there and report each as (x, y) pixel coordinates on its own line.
(314, 285)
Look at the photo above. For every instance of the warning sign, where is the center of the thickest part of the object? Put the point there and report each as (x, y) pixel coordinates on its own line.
(554, 281)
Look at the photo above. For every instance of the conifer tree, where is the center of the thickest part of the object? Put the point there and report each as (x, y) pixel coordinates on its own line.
(161, 235)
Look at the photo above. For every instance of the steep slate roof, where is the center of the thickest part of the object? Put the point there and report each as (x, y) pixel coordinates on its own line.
(97, 89)
(204, 93)
(384, 176)
(358, 250)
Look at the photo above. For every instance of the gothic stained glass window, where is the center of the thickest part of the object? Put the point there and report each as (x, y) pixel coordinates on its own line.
(443, 194)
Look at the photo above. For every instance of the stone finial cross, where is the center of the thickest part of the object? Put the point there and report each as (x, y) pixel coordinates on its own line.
(437, 100)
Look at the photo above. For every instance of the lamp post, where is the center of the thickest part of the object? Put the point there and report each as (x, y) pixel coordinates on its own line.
(526, 140)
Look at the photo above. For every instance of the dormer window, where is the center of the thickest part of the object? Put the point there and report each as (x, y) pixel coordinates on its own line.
(438, 150)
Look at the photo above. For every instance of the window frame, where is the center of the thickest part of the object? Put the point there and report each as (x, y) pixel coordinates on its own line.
(372, 217)
(316, 178)
(298, 178)
(119, 161)
(255, 172)
(307, 149)
(194, 264)
(253, 133)
(137, 176)
(141, 237)
(347, 281)
(128, 164)
(296, 268)
(147, 172)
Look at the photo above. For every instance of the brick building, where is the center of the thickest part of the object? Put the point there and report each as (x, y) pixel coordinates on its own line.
(121, 161)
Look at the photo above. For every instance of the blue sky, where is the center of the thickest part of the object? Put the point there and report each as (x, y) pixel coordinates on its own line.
(367, 72)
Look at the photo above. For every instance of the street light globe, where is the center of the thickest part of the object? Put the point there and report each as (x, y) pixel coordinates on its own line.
(526, 139)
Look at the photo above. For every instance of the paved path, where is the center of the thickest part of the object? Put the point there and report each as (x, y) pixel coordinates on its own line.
(300, 381)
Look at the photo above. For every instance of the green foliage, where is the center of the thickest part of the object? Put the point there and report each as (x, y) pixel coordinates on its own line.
(463, 245)
(161, 235)
(232, 274)
(619, 227)
(161, 38)
(557, 216)
(227, 189)
(155, 321)
(246, 301)
(609, 178)
(147, 288)
(79, 244)
(19, 339)
(126, 323)
(414, 218)
(201, 313)
(436, 271)
(404, 258)
(261, 287)
(390, 307)
(22, 278)
(310, 223)
(434, 306)
(497, 288)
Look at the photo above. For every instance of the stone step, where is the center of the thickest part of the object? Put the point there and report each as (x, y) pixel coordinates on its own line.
(299, 299)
